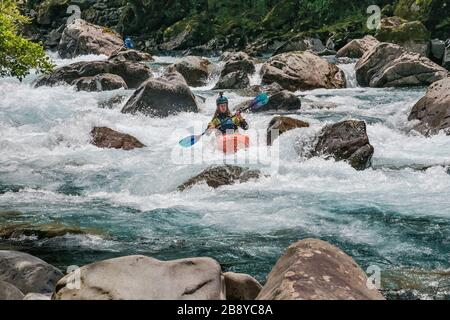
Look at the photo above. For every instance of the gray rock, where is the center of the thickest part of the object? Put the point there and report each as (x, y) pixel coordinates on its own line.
(237, 61)
(437, 50)
(357, 48)
(241, 286)
(162, 96)
(315, 270)
(9, 292)
(233, 80)
(279, 125)
(301, 43)
(103, 137)
(28, 273)
(37, 297)
(100, 82)
(446, 60)
(130, 55)
(283, 100)
(195, 70)
(144, 278)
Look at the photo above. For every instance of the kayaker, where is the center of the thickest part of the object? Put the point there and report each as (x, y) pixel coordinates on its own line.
(128, 43)
(223, 120)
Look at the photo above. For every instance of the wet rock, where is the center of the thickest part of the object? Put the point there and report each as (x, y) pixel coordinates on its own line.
(103, 137)
(81, 37)
(111, 102)
(279, 125)
(357, 48)
(216, 177)
(130, 55)
(9, 213)
(133, 73)
(283, 100)
(446, 60)
(433, 110)
(233, 80)
(241, 286)
(28, 273)
(195, 70)
(9, 292)
(389, 65)
(37, 297)
(312, 269)
(144, 278)
(161, 97)
(237, 61)
(346, 141)
(302, 71)
(301, 43)
(48, 11)
(437, 50)
(100, 82)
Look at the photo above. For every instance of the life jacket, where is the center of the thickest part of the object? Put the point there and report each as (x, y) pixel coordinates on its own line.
(224, 123)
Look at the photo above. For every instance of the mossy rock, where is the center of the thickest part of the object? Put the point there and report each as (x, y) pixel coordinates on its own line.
(398, 30)
(48, 10)
(414, 9)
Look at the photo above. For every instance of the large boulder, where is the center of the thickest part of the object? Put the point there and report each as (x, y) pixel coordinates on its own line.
(81, 37)
(437, 50)
(433, 110)
(282, 101)
(9, 292)
(103, 137)
(312, 269)
(144, 278)
(302, 71)
(301, 43)
(446, 60)
(237, 61)
(100, 82)
(241, 286)
(28, 273)
(233, 80)
(162, 96)
(389, 65)
(196, 70)
(345, 141)
(279, 125)
(357, 48)
(37, 297)
(133, 73)
(216, 177)
(130, 55)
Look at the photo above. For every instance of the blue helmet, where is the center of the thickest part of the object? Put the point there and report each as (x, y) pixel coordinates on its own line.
(221, 99)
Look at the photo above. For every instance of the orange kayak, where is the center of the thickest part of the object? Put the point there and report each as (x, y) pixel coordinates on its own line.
(232, 143)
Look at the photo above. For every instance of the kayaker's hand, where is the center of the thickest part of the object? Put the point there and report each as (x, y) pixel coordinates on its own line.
(238, 115)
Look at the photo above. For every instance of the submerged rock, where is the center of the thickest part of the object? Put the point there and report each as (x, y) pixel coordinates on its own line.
(144, 278)
(28, 273)
(346, 141)
(100, 82)
(103, 137)
(279, 125)
(357, 48)
(195, 70)
(233, 80)
(130, 55)
(302, 70)
(241, 286)
(389, 65)
(216, 177)
(316, 270)
(433, 110)
(9, 292)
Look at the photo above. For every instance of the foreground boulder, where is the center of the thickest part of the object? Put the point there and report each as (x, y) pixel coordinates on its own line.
(216, 177)
(302, 71)
(103, 137)
(241, 286)
(130, 55)
(162, 97)
(132, 73)
(144, 278)
(279, 125)
(389, 65)
(315, 270)
(195, 70)
(81, 38)
(433, 110)
(346, 141)
(28, 273)
(9, 292)
(37, 297)
(100, 82)
(357, 48)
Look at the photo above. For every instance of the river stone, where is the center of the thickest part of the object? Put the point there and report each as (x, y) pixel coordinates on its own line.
(37, 297)
(161, 97)
(301, 43)
(195, 70)
(130, 55)
(437, 50)
(312, 269)
(100, 82)
(282, 100)
(144, 278)
(241, 286)
(28, 273)
(9, 292)
(433, 110)
(446, 60)
(357, 48)
(233, 80)
(346, 141)
(279, 125)
(237, 61)
(389, 65)
(103, 137)
(302, 71)
(81, 38)
(218, 176)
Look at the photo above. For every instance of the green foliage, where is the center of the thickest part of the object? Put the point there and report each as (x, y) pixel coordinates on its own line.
(18, 55)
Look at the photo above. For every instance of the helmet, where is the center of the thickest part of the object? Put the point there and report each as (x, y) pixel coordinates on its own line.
(221, 99)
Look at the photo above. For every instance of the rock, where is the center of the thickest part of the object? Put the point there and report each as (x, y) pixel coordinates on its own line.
(48, 11)
(28, 273)
(9, 292)
(103, 137)
(301, 43)
(346, 141)
(233, 80)
(81, 38)
(9, 213)
(389, 65)
(100, 82)
(162, 96)
(283, 100)
(437, 50)
(357, 48)
(279, 125)
(433, 110)
(241, 286)
(111, 102)
(37, 297)
(312, 269)
(130, 55)
(144, 278)
(195, 70)
(302, 71)
(216, 177)
(446, 60)
(411, 35)
(237, 61)
(133, 73)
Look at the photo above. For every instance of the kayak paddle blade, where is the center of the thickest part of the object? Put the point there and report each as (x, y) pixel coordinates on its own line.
(261, 100)
(189, 141)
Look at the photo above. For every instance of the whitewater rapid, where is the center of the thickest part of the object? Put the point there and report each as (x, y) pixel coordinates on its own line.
(395, 215)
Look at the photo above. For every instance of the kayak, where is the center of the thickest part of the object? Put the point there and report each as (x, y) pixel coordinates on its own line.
(232, 143)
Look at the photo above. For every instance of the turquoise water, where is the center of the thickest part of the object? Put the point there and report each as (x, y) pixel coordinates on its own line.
(395, 215)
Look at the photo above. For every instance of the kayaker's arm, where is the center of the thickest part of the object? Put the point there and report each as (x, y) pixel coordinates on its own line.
(240, 121)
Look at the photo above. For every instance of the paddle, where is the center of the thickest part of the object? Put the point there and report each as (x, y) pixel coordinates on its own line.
(261, 100)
